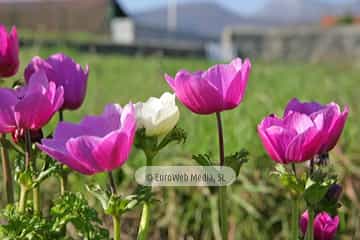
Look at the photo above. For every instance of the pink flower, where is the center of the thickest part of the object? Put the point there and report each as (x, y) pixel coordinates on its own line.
(65, 72)
(30, 106)
(221, 87)
(334, 119)
(325, 226)
(294, 138)
(9, 52)
(97, 144)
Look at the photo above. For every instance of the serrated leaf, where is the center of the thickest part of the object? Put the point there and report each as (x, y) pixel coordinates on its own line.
(314, 192)
(99, 194)
(203, 159)
(175, 135)
(236, 160)
(118, 205)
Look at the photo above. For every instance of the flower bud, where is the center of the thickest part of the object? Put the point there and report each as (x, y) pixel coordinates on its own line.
(9, 52)
(325, 226)
(158, 116)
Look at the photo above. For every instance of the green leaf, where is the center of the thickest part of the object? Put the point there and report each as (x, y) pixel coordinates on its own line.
(25, 179)
(314, 192)
(236, 160)
(44, 175)
(175, 135)
(289, 180)
(99, 194)
(145, 143)
(118, 205)
(73, 208)
(203, 159)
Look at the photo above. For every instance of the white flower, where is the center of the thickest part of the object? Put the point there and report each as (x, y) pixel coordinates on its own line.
(157, 115)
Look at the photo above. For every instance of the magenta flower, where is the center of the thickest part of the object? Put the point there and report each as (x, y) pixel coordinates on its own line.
(221, 87)
(31, 106)
(97, 144)
(325, 226)
(334, 119)
(294, 138)
(9, 52)
(65, 72)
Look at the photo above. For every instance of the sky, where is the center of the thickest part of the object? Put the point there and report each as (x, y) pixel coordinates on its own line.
(240, 6)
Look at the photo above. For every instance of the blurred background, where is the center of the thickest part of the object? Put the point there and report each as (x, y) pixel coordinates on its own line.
(266, 29)
(308, 49)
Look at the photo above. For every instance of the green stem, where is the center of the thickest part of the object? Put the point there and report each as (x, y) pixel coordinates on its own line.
(310, 227)
(222, 190)
(145, 215)
(221, 139)
(63, 183)
(27, 149)
(144, 222)
(23, 189)
(36, 191)
(294, 170)
(23, 197)
(112, 183)
(215, 217)
(61, 115)
(311, 170)
(223, 212)
(117, 228)
(6, 169)
(36, 200)
(116, 219)
(295, 218)
(64, 175)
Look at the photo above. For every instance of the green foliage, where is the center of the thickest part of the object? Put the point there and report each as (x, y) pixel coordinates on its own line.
(317, 186)
(73, 208)
(236, 160)
(292, 183)
(347, 19)
(177, 135)
(184, 212)
(70, 208)
(117, 205)
(150, 145)
(203, 159)
(314, 192)
(26, 226)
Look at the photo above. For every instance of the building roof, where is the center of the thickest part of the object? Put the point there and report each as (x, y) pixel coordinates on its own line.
(60, 15)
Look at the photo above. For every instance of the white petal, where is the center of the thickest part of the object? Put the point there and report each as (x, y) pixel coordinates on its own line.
(158, 115)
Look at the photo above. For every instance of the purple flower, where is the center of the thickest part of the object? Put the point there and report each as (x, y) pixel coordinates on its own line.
(65, 72)
(97, 144)
(30, 106)
(294, 138)
(334, 119)
(221, 87)
(9, 52)
(325, 226)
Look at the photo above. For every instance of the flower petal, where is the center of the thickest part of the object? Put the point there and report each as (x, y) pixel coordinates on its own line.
(236, 90)
(58, 152)
(8, 100)
(81, 149)
(33, 111)
(112, 151)
(196, 93)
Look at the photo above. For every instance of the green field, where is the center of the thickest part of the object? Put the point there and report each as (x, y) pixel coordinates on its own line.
(259, 207)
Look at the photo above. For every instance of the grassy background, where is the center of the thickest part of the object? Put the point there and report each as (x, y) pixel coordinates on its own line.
(259, 207)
